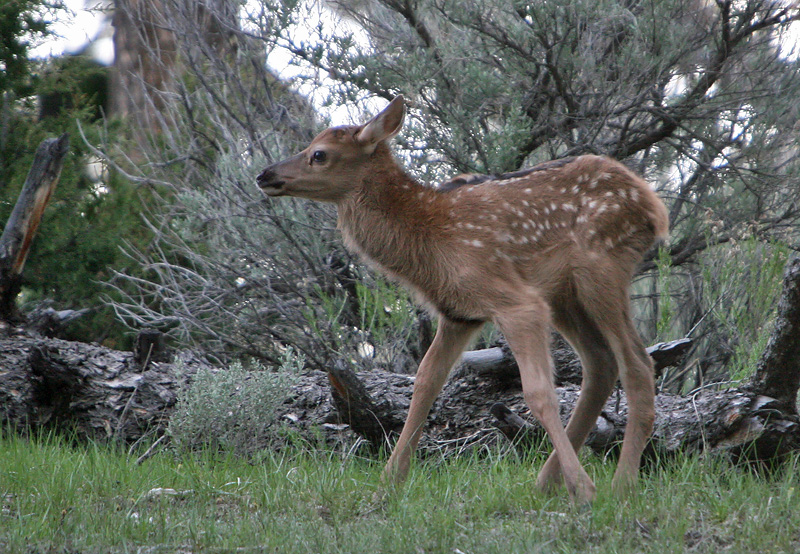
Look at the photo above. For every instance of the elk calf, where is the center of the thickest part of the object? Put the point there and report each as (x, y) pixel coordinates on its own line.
(553, 245)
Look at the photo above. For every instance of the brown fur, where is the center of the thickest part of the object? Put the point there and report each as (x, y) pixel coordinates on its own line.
(556, 244)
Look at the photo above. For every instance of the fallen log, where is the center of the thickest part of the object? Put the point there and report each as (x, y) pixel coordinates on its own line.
(499, 363)
(86, 390)
(743, 425)
(101, 394)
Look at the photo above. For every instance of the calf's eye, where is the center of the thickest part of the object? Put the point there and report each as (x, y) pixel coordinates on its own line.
(319, 156)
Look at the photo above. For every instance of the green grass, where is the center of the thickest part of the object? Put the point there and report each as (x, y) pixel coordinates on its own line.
(60, 498)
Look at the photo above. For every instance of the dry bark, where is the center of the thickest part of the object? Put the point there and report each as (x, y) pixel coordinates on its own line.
(104, 395)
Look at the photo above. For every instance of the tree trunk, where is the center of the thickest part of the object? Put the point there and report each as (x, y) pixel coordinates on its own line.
(144, 59)
(147, 42)
(778, 371)
(23, 223)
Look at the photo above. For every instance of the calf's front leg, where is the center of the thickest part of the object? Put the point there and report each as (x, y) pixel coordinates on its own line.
(448, 344)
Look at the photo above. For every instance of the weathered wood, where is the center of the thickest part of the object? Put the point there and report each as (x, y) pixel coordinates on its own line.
(667, 354)
(87, 390)
(100, 394)
(360, 411)
(150, 346)
(740, 424)
(515, 429)
(498, 362)
(24, 221)
(49, 322)
(356, 407)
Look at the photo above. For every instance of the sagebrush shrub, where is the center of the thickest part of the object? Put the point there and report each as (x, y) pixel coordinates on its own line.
(233, 409)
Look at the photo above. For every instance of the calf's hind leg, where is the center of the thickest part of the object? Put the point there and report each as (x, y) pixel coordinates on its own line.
(527, 332)
(599, 375)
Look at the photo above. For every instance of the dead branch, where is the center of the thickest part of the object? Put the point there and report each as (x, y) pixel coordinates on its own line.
(23, 223)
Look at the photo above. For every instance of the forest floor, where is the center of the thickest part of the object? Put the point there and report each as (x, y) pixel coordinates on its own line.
(58, 497)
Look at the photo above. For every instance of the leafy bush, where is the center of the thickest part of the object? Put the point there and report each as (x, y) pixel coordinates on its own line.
(233, 410)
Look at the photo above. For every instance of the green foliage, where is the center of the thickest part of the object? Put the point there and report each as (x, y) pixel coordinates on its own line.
(233, 410)
(742, 284)
(233, 274)
(91, 499)
(736, 295)
(384, 326)
(699, 101)
(385, 310)
(83, 227)
(665, 307)
(93, 211)
(73, 84)
(21, 23)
